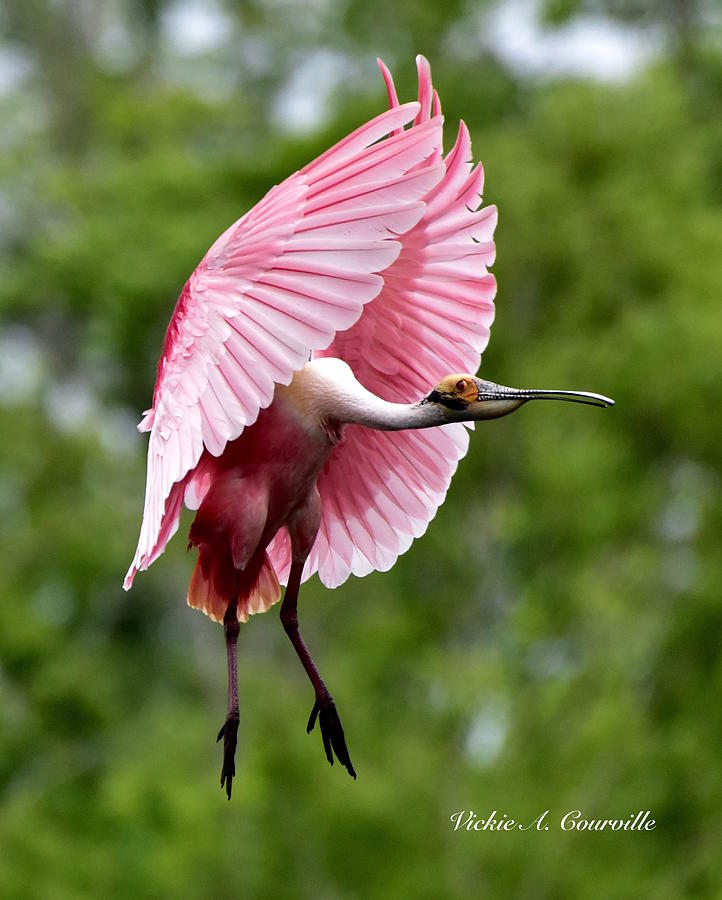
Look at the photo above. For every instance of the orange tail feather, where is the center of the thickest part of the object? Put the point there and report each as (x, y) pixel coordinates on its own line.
(205, 594)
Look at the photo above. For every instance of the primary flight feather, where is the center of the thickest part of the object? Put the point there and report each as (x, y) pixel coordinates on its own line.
(283, 410)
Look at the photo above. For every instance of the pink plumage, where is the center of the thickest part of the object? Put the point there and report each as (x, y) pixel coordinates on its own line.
(283, 410)
(375, 218)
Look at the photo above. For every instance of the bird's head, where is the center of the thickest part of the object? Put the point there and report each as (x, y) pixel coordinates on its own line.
(465, 397)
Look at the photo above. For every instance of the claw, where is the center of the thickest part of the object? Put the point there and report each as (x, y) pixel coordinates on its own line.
(312, 718)
(332, 734)
(229, 733)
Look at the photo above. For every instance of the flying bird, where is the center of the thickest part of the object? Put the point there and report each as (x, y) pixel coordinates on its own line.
(316, 382)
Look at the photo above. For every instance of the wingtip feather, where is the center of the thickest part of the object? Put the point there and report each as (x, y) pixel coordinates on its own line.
(423, 70)
(389, 82)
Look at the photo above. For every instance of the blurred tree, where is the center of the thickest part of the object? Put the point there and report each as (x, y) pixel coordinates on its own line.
(682, 22)
(550, 644)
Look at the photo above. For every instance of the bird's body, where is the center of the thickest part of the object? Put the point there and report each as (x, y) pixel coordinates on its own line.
(263, 481)
(267, 478)
(303, 404)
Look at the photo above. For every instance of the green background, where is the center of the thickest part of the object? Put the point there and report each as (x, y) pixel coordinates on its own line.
(551, 643)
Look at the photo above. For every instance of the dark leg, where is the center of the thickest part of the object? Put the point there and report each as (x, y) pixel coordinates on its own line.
(229, 731)
(324, 709)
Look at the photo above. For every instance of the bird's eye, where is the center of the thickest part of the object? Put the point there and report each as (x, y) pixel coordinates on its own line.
(461, 385)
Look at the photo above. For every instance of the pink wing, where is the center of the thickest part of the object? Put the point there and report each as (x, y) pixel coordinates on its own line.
(380, 490)
(277, 285)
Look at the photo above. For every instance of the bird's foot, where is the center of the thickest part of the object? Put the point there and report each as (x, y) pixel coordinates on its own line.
(331, 732)
(229, 733)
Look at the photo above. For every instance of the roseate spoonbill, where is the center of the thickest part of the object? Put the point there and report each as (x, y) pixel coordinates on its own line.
(302, 404)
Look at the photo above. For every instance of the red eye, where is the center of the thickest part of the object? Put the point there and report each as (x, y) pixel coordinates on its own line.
(461, 385)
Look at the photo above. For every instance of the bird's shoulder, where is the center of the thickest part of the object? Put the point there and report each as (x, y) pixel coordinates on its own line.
(314, 393)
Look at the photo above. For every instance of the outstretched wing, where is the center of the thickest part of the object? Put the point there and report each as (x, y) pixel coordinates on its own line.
(380, 490)
(277, 285)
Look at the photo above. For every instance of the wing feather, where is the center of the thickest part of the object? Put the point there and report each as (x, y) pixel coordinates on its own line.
(275, 286)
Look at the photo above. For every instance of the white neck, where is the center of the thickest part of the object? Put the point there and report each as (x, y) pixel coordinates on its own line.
(373, 412)
(328, 387)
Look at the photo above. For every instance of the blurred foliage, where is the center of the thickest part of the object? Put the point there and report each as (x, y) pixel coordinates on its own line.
(551, 643)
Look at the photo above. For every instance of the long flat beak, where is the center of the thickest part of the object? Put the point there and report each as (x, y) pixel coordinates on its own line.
(490, 391)
(573, 396)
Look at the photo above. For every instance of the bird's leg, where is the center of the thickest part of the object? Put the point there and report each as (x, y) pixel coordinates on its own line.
(229, 731)
(324, 709)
